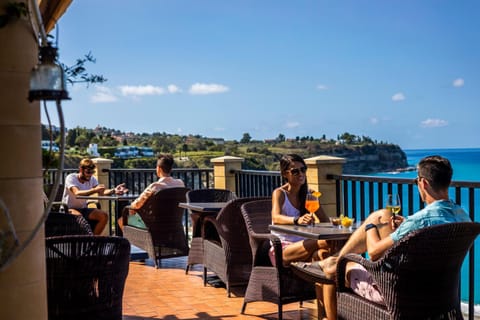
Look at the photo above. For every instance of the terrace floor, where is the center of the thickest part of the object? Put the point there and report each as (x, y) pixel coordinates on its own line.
(169, 293)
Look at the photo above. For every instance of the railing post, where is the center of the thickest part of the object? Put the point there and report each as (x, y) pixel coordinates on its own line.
(318, 168)
(224, 172)
(103, 166)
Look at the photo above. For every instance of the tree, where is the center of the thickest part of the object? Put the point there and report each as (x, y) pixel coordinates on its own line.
(246, 138)
(281, 137)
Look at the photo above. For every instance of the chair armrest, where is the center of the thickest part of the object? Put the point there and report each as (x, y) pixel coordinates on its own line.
(126, 213)
(260, 244)
(210, 229)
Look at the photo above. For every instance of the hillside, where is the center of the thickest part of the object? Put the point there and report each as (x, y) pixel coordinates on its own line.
(363, 154)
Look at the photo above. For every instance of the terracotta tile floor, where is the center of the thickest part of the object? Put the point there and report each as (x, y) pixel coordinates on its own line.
(169, 293)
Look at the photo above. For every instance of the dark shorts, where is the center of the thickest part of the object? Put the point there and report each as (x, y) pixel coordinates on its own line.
(85, 211)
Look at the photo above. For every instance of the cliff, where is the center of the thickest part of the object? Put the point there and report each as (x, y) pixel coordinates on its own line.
(370, 158)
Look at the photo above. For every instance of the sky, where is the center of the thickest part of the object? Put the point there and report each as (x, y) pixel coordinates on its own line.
(398, 71)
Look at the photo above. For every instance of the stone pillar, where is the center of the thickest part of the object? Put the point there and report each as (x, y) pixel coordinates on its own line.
(224, 172)
(318, 168)
(103, 165)
(23, 292)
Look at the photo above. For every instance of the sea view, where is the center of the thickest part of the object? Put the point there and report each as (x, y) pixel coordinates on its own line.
(466, 167)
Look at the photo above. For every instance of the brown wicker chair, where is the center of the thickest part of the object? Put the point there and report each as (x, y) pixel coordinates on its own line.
(165, 235)
(62, 224)
(195, 255)
(268, 283)
(226, 247)
(418, 277)
(86, 276)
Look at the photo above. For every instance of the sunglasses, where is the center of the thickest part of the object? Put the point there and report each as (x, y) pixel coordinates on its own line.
(296, 171)
(417, 179)
(89, 170)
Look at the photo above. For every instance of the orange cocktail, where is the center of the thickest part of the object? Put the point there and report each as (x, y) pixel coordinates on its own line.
(312, 205)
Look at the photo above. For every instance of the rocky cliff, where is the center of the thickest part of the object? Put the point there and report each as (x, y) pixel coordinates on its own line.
(370, 158)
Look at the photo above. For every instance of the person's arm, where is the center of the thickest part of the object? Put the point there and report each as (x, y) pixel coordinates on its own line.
(97, 189)
(376, 246)
(138, 203)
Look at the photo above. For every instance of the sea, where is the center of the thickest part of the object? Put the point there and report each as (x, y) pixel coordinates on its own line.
(466, 167)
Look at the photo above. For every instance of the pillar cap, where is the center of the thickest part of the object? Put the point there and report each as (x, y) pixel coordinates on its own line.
(227, 159)
(102, 161)
(325, 159)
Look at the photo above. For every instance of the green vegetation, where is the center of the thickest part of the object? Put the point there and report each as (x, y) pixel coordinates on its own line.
(194, 151)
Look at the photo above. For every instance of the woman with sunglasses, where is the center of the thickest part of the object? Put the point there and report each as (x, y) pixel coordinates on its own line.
(288, 207)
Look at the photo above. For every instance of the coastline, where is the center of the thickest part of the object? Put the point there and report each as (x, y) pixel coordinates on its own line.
(476, 310)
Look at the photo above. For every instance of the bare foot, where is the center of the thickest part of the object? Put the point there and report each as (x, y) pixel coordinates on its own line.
(329, 265)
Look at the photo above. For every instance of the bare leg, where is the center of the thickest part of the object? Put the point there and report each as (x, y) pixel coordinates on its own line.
(306, 250)
(102, 219)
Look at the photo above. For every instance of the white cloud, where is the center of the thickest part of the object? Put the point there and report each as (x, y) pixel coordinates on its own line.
(398, 97)
(433, 123)
(103, 95)
(459, 82)
(208, 88)
(141, 90)
(374, 120)
(292, 124)
(173, 89)
(322, 87)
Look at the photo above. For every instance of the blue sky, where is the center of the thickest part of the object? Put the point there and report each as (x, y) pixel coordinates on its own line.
(405, 72)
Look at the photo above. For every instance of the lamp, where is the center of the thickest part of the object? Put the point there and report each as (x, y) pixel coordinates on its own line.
(47, 80)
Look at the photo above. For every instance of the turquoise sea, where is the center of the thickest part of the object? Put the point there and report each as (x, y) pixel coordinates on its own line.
(466, 167)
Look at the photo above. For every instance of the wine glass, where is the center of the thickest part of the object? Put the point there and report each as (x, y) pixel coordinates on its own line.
(393, 204)
(312, 205)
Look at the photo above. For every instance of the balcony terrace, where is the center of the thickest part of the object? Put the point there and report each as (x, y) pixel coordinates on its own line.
(168, 293)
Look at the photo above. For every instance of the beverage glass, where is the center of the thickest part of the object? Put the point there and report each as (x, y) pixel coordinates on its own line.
(312, 205)
(393, 204)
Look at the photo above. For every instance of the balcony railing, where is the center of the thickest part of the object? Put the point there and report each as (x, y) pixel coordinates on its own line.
(136, 180)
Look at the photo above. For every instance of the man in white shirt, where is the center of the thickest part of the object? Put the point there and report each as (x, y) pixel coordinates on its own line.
(84, 183)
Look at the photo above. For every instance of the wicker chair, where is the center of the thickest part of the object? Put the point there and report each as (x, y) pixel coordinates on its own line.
(268, 283)
(62, 224)
(86, 276)
(226, 248)
(165, 235)
(195, 255)
(418, 277)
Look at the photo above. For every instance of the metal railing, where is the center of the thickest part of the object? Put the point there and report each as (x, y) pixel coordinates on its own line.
(254, 183)
(136, 180)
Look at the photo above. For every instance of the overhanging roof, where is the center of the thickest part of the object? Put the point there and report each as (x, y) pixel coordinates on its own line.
(51, 11)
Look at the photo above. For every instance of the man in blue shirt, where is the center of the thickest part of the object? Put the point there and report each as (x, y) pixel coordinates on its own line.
(381, 230)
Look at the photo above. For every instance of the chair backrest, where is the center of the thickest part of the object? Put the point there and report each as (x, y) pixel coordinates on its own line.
(164, 218)
(210, 195)
(423, 270)
(257, 216)
(86, 276)
(59, 195)
(232, 228)
(62, 224)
